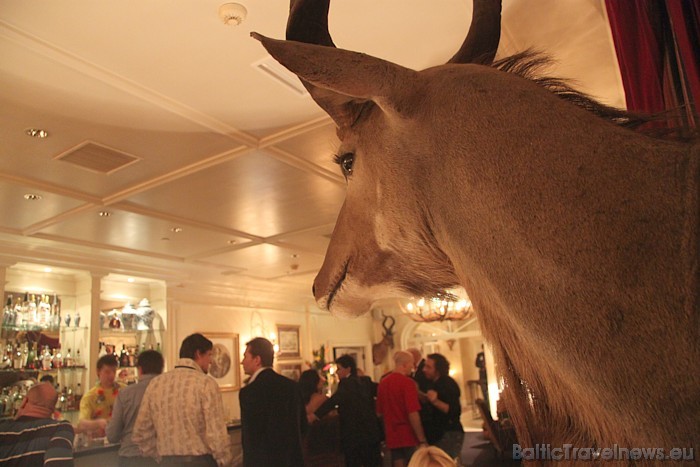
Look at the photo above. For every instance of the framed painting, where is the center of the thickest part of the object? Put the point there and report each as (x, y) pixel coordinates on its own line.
(225, 365)
(356, 352)
(290, 370)
(288, 341)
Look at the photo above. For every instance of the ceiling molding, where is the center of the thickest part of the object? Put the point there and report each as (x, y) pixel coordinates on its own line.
(139, 209)
(87, 262)
(11, 231)
(176, 174)
(93, 70)
(106, 246)
(49, 187)
(275, 238)
(225, 249)
(295, 131)
(34, 228)
(302, 164)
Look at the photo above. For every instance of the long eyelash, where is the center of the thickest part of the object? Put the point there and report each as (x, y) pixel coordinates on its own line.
(338, 158)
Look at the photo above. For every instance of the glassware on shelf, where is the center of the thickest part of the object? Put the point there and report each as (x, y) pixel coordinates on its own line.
(146, 314)
(114, 321)
(129, 317)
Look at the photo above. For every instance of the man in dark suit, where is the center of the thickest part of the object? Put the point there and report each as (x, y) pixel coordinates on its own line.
(272, 413)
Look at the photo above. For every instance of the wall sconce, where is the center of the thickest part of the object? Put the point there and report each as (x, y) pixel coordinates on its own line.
(275, 345)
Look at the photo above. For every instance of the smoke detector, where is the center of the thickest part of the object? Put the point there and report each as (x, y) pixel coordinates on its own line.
(232, 14)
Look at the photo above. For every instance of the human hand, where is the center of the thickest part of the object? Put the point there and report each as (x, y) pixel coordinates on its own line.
(311, 418)
(432, 395)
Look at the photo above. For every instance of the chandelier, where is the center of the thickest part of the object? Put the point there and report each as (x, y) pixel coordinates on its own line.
(444, 306)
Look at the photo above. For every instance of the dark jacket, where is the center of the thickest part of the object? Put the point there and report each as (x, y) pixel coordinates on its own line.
(438, 423)
(272, 420)
(359, 425)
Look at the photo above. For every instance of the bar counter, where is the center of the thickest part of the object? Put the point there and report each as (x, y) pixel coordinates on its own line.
(106, 455)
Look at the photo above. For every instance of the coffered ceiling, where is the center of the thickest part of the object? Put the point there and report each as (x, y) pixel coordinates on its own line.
(230, 183)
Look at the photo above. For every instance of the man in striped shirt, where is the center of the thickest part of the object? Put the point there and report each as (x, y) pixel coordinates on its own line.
(33, 438)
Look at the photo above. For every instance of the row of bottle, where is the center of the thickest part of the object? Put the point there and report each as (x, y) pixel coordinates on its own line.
(34, 311)
(21, 356)
(11, 399)
(128, 355)
(69, 398)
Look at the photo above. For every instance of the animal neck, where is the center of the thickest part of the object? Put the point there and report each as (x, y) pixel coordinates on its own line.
(572, 254)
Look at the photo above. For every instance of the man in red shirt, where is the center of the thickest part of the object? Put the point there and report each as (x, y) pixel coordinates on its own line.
(397, 403)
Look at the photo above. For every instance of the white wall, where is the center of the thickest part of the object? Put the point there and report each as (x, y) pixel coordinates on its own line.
(315, 329)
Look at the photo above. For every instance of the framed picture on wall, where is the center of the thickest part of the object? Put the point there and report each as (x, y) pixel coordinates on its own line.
(288, 341)
(356, 352)
(290, 370)
(225, 365)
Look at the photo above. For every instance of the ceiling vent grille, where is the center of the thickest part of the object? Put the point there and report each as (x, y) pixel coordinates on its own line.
(97, 157)
(274, 70)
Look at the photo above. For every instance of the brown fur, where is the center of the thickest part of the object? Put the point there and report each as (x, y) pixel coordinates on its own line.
(576, 239)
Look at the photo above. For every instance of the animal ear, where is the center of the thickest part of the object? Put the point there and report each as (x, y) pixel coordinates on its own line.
(340, 81)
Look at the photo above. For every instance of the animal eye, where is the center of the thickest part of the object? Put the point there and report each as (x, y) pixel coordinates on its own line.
(345, 161)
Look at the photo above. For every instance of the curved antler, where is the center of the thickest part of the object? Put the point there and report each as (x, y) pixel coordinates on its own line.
(388, 330)
(484, 34)
(308, 22)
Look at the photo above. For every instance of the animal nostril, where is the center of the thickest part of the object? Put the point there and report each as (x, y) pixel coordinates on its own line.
(313, 289)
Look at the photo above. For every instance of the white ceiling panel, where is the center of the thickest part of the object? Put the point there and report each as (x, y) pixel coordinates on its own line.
(253, 193)
(240, 162)
(141, 233)
(267, 261)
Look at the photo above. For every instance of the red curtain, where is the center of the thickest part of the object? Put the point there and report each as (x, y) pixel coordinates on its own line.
(658, 48)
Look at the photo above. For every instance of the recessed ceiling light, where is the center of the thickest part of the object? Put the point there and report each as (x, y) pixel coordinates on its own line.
(176, 229)
(131, 279)
(47, 269)
(104, 213)
(32, 197)
(36, 133)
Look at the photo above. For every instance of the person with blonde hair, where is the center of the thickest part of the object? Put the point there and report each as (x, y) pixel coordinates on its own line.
(431, 456)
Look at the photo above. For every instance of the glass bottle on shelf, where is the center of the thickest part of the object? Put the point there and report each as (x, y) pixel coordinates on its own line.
(68, 359)
(55, 312)
(57, 360)
(103, 350)
(62, 399)
(115, 322)
(6, 361)
(31, 311)
(5, 406)
(45, 313)
(7, 315)
(17, 357)
(31, 355)
(46, 359)
(124, 356)
(70, 399)
(78, 360)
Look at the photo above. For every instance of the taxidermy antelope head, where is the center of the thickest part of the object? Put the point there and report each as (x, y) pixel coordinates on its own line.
(381, 349)
(576, 238)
